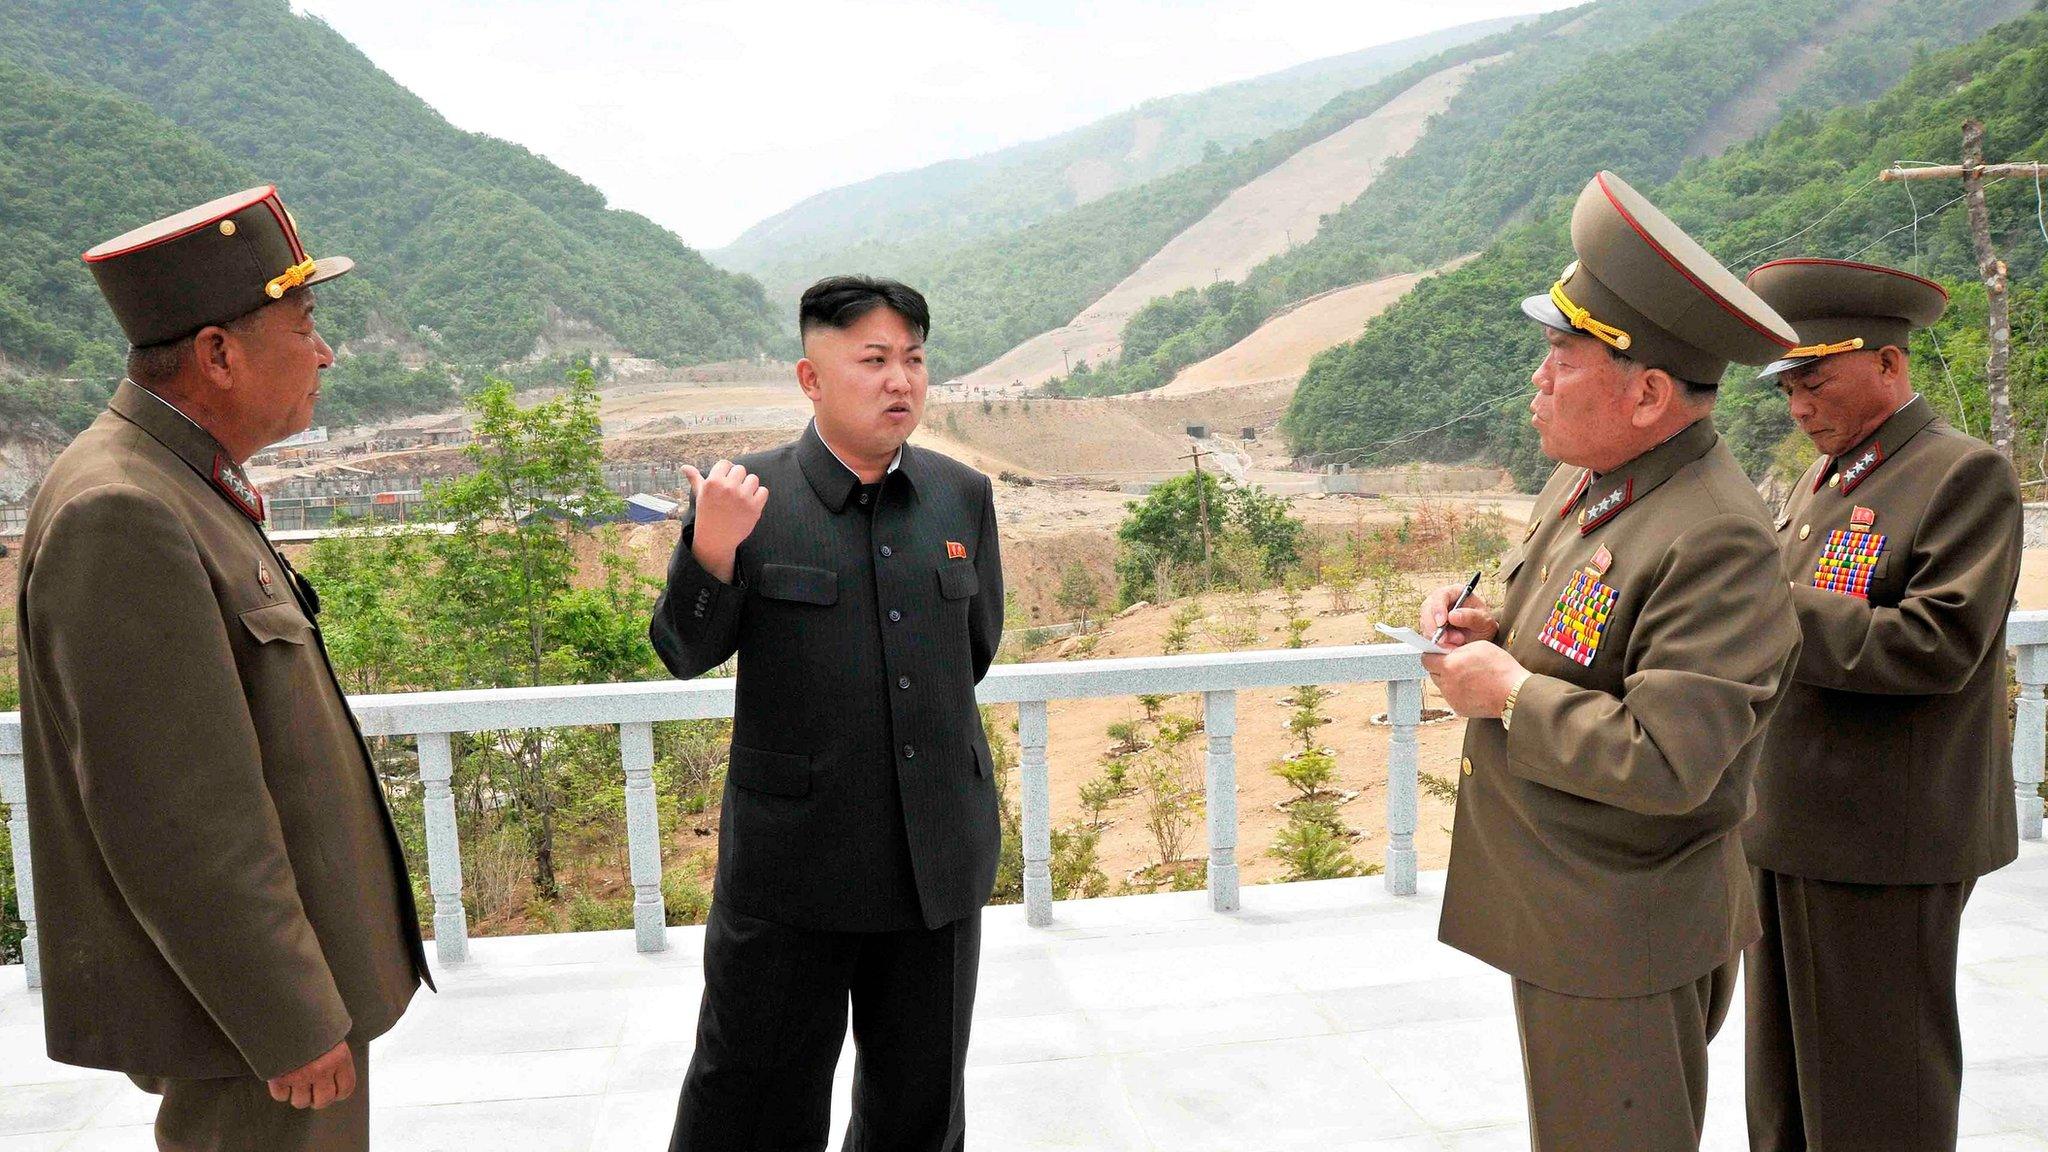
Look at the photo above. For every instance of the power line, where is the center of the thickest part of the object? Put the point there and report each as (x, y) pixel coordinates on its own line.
(1858, 191)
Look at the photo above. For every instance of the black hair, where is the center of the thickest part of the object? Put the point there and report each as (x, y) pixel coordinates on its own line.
(838, 301)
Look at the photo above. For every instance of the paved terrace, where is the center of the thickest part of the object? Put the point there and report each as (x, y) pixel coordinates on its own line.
(1321, 1016)
(1277, 1018)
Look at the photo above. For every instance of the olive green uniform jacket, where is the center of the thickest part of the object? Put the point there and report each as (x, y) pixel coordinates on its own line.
(1595, 849)
(219, 888)
(1891, 761)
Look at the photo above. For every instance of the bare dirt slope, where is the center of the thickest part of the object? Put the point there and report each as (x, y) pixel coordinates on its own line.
(1758, 106)
(1252, 224)
(1281, 348)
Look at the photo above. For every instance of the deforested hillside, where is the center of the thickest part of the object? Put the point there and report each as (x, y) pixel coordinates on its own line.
(1444, 374)
(944, 205)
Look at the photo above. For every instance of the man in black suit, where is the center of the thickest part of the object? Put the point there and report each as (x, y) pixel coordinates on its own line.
(859, 580)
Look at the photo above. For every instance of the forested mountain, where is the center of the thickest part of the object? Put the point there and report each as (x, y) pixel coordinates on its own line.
(468, 245)
(996, 293)
(1455, 354)
(1698, 76)
(947, 204)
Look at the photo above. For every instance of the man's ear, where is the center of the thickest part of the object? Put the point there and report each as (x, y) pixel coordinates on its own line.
(1656, 392)
(807, 377)
(1892, 361)
(214, 349)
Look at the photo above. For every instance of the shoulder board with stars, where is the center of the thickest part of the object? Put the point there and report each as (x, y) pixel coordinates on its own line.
(1859, 471)
(236, 487)
(1602, 510)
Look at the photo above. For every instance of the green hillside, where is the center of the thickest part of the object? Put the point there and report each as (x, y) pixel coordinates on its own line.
(1508, 149)
(1526, 133)
(1456, 352)
(466, 243)
(951, 203)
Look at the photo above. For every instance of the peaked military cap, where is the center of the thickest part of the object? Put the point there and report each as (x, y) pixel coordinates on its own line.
(1641, 286)
(205, 265)
(1841, 306)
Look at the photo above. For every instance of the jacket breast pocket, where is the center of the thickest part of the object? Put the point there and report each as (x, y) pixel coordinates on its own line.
(776, 773)
(958, 580)
(798, 584)
(280, 622)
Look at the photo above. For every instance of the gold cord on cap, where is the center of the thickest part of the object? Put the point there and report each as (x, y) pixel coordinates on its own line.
(1805, 350)
(1582, 319)
(292, 278)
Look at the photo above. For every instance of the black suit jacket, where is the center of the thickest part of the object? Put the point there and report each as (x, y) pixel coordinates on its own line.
(859, 796)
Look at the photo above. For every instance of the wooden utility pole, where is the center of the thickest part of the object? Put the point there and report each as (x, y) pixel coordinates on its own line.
(1202, 508)
(1973, 172)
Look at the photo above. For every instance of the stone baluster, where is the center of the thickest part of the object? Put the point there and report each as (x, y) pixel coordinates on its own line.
(643, 837)
(14, 794)
(2030, 738)
(1404, 715)
(1219, 722)
(1031, 737)
(444, 849)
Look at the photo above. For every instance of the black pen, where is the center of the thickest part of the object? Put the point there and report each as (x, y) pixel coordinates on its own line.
(1469, 586)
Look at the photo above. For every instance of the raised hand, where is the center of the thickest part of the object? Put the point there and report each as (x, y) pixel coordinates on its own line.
(728, 503)
(1474, 619)
(330, 1078)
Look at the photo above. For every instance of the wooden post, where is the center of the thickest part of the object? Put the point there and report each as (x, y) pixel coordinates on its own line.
(1202, 509)
(1973, 172)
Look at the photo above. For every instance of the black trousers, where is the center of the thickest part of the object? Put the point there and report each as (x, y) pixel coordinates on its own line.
(1850, 1006)
(774, 1020)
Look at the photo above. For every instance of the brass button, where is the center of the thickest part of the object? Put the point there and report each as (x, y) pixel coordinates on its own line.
(1466, 764)
(1511, 637)
(1805, 530)
(227, 227)
(1834, 480)
(1544, 574)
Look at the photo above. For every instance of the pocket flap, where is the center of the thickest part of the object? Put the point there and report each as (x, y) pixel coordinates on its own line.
(798, 583)
(1511, 562)
(776, 773)
(280, 621)
(958, 580)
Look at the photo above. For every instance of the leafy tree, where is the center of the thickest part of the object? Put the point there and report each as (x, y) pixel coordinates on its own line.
(506, 611)
(1165, 530)
(1079, 594)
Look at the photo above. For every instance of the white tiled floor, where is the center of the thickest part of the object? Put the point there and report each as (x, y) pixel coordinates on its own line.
(1323, 1016)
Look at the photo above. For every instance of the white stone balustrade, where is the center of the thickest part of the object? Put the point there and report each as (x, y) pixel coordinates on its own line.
(432, 718)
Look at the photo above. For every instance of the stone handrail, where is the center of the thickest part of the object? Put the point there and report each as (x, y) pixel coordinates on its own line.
(431, 718)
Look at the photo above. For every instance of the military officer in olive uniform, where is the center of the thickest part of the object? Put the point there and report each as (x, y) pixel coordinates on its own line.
(224, 908)
(859, 581)
(1645, 641)
(1886, 785)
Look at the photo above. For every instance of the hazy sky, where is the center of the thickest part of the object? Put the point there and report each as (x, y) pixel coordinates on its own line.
(709, 115)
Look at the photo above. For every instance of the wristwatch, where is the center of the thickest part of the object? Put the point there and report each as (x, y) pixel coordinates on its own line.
(1507, 710)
